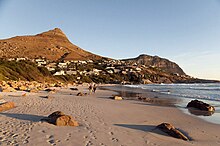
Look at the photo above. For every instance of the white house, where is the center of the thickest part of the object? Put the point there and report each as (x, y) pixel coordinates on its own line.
(71, 72)
(59, 73)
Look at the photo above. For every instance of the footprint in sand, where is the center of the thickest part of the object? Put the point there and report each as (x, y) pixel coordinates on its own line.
(88, 143)
(111, 133)
(42, 131)
(50, 139)
(86, 128)
(94, 137)
(14, 135)
(68, 134)
(114, 139)
(49, 136)
(25, 141)
(52, 142)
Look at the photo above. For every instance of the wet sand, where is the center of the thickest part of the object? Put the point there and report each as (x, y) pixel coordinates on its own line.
(103, 122)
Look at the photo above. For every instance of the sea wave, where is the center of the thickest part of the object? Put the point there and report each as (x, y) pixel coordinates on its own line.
(200, 91)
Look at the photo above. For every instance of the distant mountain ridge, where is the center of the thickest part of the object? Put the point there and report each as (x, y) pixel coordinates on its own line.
(155, 61)
(52, 45)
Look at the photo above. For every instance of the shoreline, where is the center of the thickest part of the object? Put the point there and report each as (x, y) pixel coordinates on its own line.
(160, 99)
(103, 121)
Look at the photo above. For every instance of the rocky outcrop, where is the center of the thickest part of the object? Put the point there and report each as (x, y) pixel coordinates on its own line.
(155, 61)
(6, 106)
(201, 106)
(58, 118)
(33, 86)
(172, 131)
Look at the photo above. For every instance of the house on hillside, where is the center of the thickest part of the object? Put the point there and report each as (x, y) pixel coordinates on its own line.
(51, 66)
(71, 72)
(19, 59)
(59, 73)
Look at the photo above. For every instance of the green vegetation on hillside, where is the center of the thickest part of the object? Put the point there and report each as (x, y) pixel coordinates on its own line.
(22, 70)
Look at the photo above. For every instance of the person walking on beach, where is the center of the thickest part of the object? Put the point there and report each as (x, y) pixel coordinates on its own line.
(94, 88)
(90, 88)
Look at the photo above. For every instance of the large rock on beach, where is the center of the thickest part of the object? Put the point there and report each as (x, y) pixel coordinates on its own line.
(172, 131)
(117, 97)
(201, 105)
(6, 106)
(58, 118)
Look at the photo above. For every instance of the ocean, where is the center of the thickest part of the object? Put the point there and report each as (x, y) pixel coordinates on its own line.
(197, 91)
(209, 93)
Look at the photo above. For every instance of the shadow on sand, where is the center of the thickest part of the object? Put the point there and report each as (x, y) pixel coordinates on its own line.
(27, 117)
(151, 129)
(145, 128)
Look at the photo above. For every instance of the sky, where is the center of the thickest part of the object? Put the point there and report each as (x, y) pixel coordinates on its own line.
(184, 31)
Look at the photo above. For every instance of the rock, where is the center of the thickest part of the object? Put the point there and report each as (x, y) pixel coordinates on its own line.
(201, 105)
(2, 101)
(24, 94)
(200, 112)
(117, 98)
(33, 91)
(76, 89)
(81, 94)
(22, 88)
(141, 98)
(8, 89)
(6, 106)
(51, 91)
(56, 114)
(49, 97)
(172, 131)
(48, 90)
(58, 118)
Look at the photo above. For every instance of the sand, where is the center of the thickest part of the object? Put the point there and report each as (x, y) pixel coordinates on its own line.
(103, 122)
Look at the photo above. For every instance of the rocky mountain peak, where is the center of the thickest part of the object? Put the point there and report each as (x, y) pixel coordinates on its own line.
(155, 61)
(56, 32)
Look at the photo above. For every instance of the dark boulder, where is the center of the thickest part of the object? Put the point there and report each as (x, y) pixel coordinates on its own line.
(201, 105)
(172, 131)
(76, 89)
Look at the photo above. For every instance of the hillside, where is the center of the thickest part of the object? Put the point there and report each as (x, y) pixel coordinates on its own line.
(22, 70)
(53, 45)
(155, 61)
(55, 51)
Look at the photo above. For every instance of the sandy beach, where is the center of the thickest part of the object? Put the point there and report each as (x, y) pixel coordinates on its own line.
(103, 121)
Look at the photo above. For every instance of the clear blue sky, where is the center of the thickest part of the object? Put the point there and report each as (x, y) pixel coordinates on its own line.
(184, 31)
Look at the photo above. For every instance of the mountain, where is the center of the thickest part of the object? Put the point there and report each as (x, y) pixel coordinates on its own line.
(155, 61)
(53, 45)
